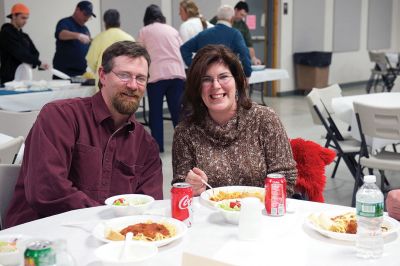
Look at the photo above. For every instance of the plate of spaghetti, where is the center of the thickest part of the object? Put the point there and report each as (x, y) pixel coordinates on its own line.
(213, 196)
(158, 230)
(343, 225)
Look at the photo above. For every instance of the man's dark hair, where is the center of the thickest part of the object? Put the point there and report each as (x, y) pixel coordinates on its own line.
(153, 14)
(242, 5)
(123, 48)
(111, 19)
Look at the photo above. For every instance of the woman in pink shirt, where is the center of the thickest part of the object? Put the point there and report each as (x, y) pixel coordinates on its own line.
(167, 73)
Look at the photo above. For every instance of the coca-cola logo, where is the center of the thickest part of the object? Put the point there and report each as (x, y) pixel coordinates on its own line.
(185, 202)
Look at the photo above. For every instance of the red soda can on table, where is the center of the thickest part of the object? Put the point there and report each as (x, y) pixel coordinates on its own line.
(275, 194)
(181, 202)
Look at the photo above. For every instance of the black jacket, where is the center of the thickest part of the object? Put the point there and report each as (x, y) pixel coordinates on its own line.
(15, 48)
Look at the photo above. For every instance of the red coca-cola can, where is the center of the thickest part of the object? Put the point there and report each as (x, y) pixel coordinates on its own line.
(181, 202)
(275, 194)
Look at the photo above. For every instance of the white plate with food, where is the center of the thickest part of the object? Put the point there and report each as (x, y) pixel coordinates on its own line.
(342, 225)
(215, 195)
(158, 230)
(12, 248)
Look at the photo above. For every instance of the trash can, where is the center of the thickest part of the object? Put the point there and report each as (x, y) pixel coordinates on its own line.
(312, 69)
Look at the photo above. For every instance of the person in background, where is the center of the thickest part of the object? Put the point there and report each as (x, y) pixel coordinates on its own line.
(167, 73)
(225, 139)
(102, 41)
(193, 22)
(90, 148)
(393, 204)
(72, 41)
(241, 11)
(16, 47)
(222, 33)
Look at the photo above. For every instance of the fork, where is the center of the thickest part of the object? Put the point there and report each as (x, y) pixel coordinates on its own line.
(208, 185)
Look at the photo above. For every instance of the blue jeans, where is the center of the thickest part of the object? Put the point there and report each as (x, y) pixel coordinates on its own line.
(172, 89)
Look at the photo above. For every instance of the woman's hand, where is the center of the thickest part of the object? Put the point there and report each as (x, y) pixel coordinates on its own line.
(194, 178)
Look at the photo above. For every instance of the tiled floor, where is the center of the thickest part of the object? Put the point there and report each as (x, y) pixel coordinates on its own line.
(295, 116)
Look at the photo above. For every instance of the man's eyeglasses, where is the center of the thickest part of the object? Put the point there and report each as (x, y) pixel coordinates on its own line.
(223, 79)
(127, 78)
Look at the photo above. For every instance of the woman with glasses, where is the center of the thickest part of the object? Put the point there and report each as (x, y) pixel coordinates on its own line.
(225, 139)
(167, 73)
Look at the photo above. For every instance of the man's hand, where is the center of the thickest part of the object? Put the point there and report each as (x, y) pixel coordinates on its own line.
(255, 61)
(393, 204)
(44, 66)
(83, 38)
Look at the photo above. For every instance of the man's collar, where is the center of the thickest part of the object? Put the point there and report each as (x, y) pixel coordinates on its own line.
(224, 22)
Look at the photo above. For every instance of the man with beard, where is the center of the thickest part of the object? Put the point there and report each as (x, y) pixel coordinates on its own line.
(81, 151)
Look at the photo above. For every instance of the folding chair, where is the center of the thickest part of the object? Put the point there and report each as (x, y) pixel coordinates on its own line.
(377, 122)
(322, 98)
(9, 150)
(383, 74)
(17, 123)
(8, 178)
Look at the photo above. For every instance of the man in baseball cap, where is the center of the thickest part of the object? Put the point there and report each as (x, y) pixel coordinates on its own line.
(86, 7)
(72, 40)
(19, 9)
(16, 47)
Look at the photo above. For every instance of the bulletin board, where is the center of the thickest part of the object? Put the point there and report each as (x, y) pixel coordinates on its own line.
(379, 24)
(308, 25)
(346, 25)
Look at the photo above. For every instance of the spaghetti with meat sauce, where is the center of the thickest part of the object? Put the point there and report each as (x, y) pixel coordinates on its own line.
(146, 231)
(149, 231)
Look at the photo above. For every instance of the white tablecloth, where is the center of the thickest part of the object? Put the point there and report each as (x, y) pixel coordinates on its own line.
(36, 100)
(344, 110)
(284, 240)
(268, 74)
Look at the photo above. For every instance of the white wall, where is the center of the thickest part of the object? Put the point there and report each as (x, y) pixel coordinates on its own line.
(42, 24)
(346, 67)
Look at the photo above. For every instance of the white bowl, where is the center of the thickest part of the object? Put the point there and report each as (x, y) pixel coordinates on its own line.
(257, 67)
(231, 216)
(138, 204)
(9, 258)
(137, 254)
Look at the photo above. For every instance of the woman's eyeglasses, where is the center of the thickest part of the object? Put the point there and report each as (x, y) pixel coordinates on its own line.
(223, 79)
(127, 78)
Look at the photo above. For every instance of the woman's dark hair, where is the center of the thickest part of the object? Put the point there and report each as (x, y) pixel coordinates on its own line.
(153, 14)
(193, 106)
(111, 18)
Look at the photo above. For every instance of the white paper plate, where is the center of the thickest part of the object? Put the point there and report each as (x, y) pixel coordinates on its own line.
(389, 222)
(122, 222)
(257, 67)
(206, 195)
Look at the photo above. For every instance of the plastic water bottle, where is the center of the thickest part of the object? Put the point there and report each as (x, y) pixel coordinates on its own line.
(369, 204)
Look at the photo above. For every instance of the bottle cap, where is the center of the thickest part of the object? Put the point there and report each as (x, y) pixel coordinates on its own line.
(369, 179)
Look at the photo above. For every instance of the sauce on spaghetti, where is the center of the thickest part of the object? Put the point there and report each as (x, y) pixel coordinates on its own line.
(149, 230)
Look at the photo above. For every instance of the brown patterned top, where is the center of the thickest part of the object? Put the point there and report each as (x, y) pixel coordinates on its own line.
(242, 152)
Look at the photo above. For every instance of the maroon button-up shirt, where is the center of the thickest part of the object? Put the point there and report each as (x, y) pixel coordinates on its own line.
(75, 158)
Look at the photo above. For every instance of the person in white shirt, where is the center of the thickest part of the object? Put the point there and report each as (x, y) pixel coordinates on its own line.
(193, 22)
